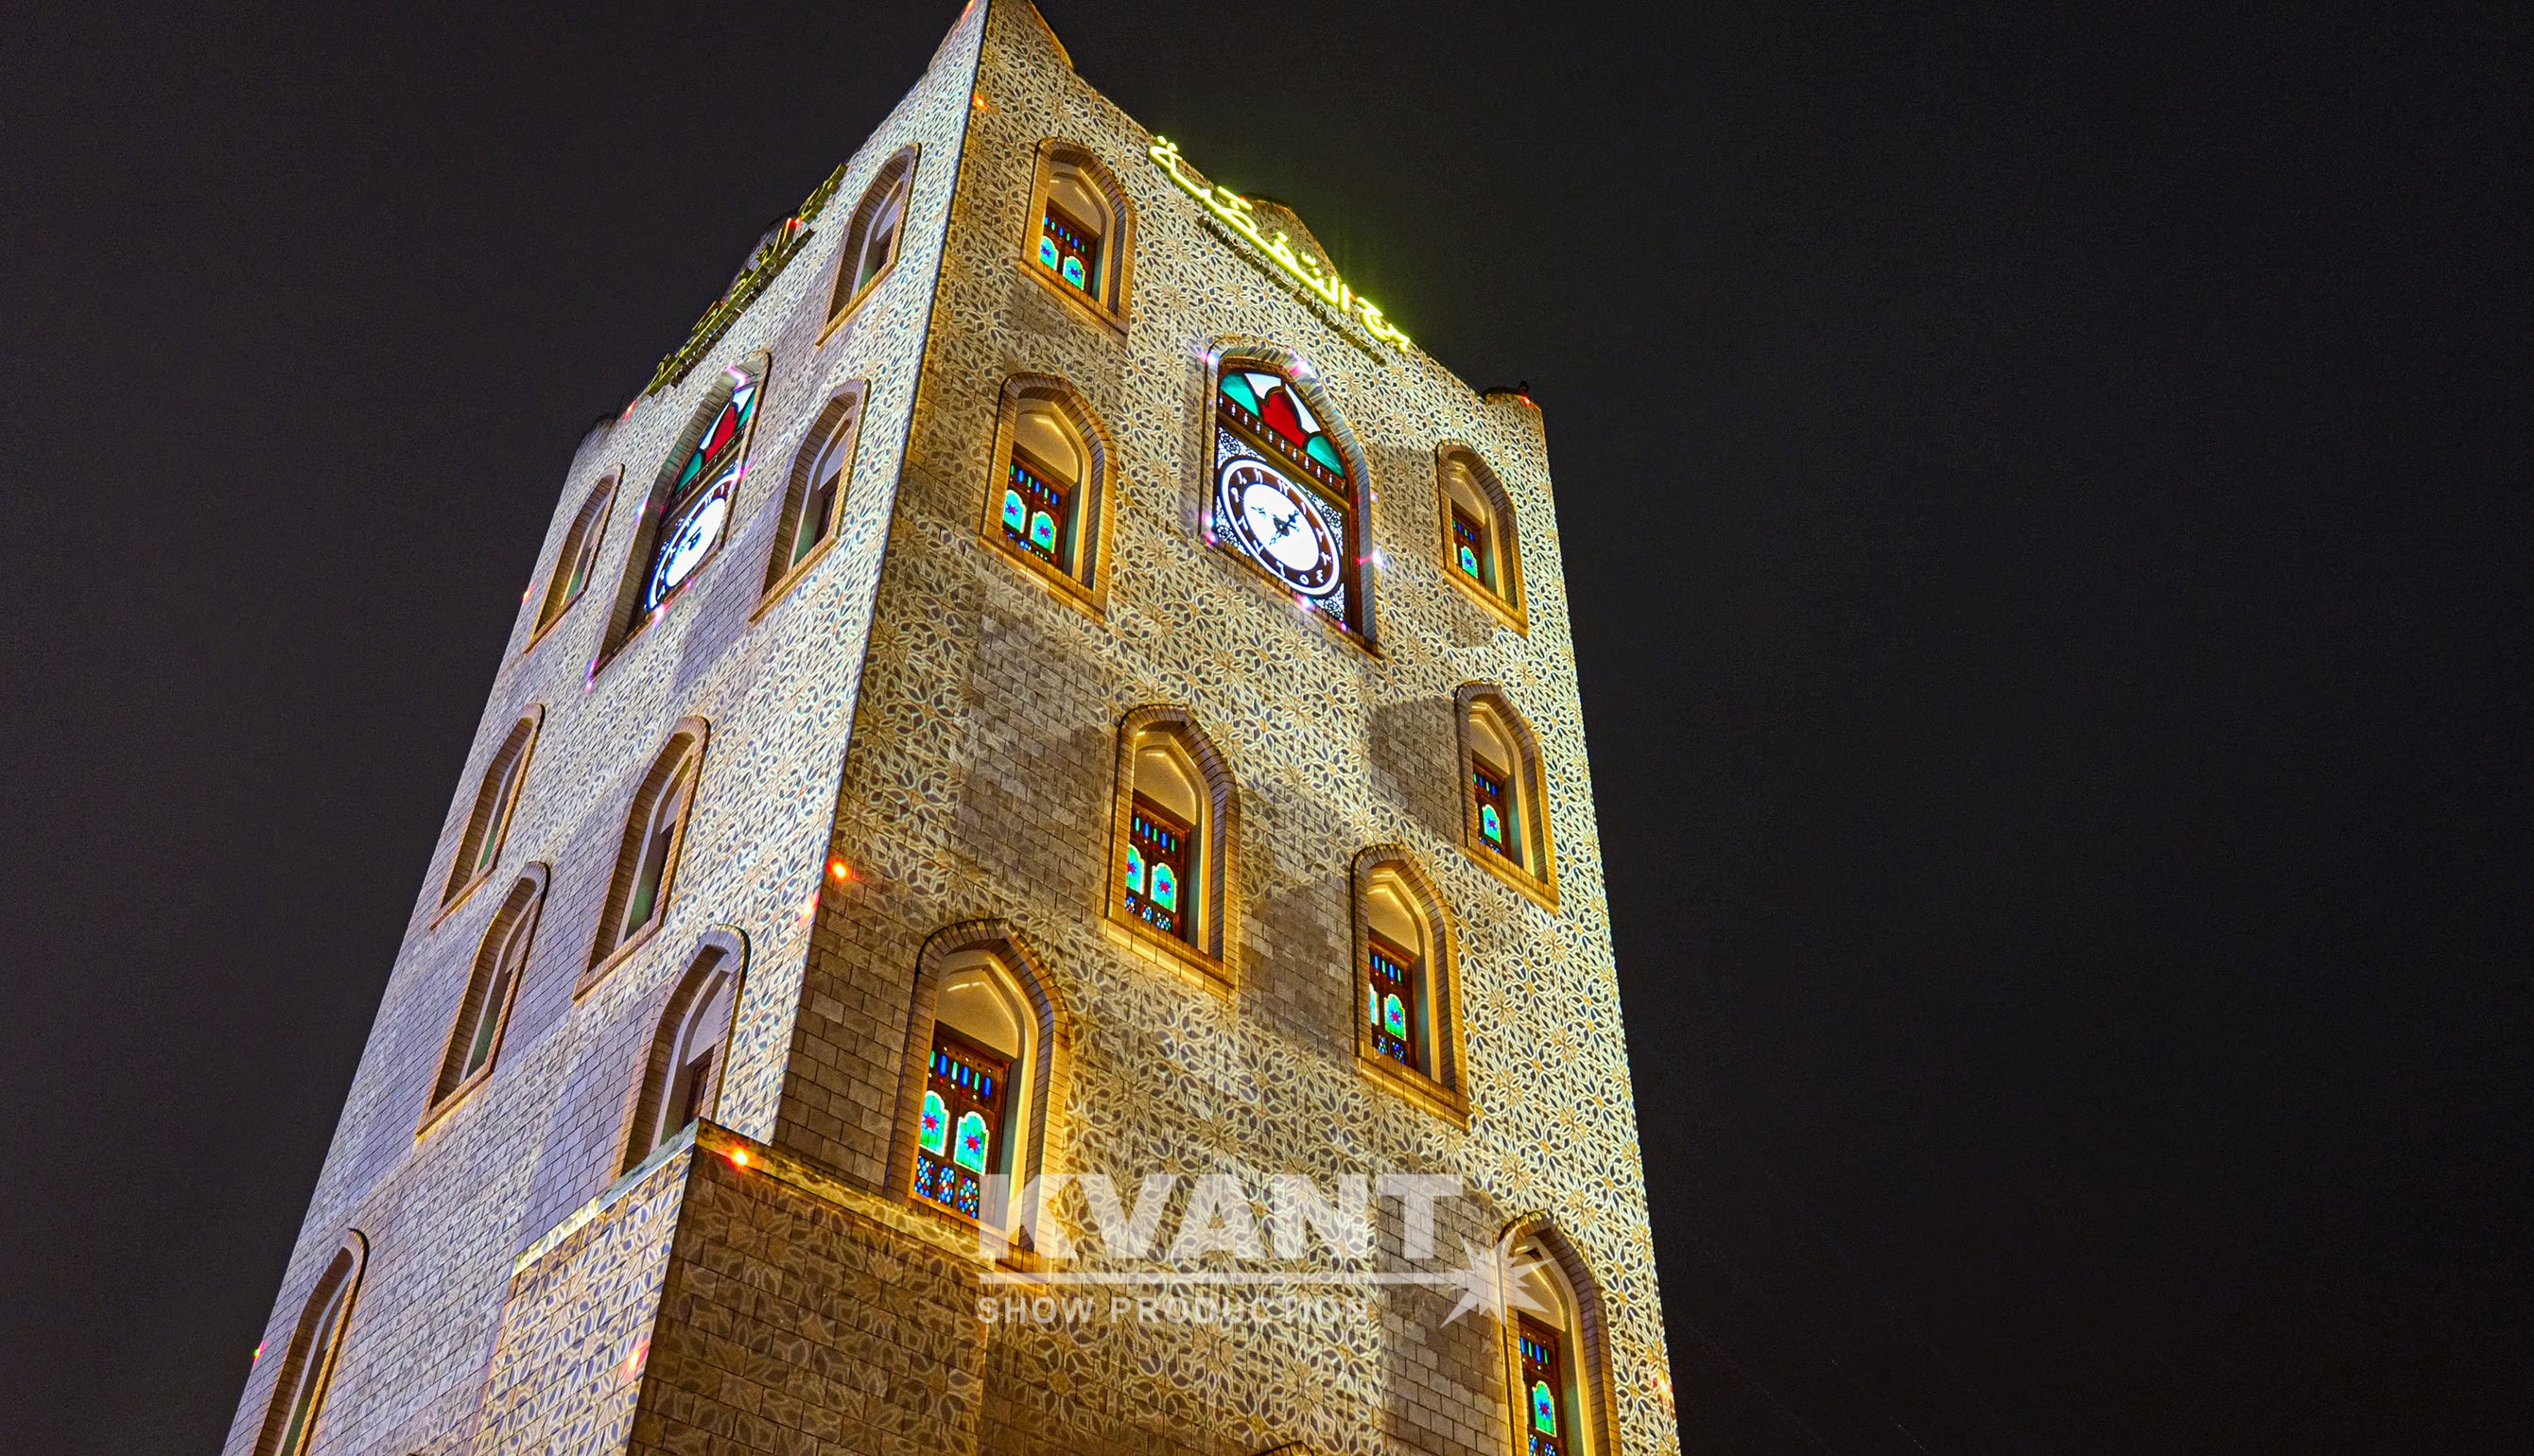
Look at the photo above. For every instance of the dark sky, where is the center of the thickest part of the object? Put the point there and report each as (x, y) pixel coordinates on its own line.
(2045, 494)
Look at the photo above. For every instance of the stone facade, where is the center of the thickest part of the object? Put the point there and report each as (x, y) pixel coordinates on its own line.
(940, 723)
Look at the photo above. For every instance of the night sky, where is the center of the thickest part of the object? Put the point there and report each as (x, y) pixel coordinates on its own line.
(2045, 497)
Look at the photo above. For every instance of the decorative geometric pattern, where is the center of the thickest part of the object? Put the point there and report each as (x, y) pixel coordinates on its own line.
(977, 784)
(945, 731)
(450, 1211)
(570, 1351)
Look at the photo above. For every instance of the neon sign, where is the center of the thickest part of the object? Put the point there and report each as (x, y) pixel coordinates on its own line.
(780, 245)
(1233, 211)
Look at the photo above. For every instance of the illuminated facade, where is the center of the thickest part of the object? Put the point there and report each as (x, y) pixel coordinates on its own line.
(1047, 682)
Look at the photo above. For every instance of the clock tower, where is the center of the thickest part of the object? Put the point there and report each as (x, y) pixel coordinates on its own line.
(1028, 882)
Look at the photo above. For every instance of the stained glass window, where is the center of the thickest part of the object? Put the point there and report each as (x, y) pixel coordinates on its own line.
(1487, 783)
(699, 501)
(1469, 548)
(1038, 509)
(1281, 493)
(1158, 858)
(956, 1143)
(1390, 1008)
(1069, 248)
(1544, 1380)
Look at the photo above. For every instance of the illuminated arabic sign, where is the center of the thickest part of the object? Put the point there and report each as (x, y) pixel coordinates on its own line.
(1233, 211)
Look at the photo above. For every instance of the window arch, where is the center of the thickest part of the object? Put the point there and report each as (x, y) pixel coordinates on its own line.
(813, 496)
(1290, 491)
(985, 1039)
(683, 1078)
(1171, 850)
(491, 986)
(1503, 793)
(1049, 501)
(497, 796)
(1481, 539)
(1081, 229)
(1554, 1346)
(579, 560)
(1406, 999)
(646, 858)
(872, 237)
(316, 1348)
(688, 514)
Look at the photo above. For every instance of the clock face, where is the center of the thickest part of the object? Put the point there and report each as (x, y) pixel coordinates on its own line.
(688, 540)
(1274, 523)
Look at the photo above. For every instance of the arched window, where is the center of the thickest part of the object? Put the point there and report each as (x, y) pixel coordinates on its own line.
(682, 1079)
(1287, 494)
(981, 1036)
(1481, 544)
(316, 1348)
(497, 795)
(484, 1008)
(872, 239)
(1050, 472)
(814, 499)
(580, 557)
(646, 859)
(1560, 1406)
(1173, 835)
(1407, 1005)
(988, 1034)
(692, 501)
(1504, 793)
(1081, 236)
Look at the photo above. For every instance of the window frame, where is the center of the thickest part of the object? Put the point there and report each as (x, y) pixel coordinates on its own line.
(341, 1275)
(1084, 583)
(1582, 1326)
(1363, 568)
(1535, 874)
(999, 951)
(720, 953)
(681, 760)
(894, 177)
(843, 413)
(1207, 951)
(630, 622)
(1110, 304)
(587, 535)
(488, 822)
(1506, 598)
(1437, 1081)
(514, 924)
